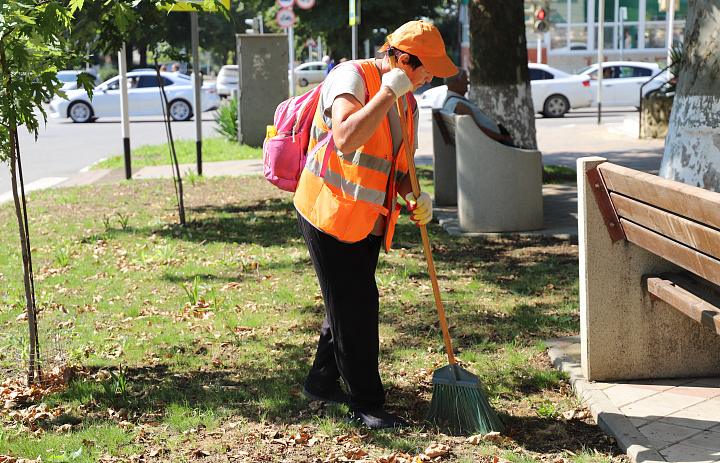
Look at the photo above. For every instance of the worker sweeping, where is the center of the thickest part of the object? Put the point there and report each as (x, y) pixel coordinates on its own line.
(347, 209)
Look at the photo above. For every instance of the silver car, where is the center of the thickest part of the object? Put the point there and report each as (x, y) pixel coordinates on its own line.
(227, 80)
(144, 98)
(312, 72)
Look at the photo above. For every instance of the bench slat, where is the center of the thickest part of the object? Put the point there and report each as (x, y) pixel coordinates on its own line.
(693, 234)
(686, 200)
(690, 300)
(679, 254)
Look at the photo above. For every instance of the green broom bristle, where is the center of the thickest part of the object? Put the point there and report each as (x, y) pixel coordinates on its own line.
(464, 408)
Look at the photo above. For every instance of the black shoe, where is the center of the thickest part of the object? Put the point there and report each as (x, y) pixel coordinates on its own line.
(335, 396)
(377, 419)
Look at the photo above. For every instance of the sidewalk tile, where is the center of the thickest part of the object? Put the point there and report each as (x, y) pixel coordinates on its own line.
(695, 390)
(622, 395)
(712, 382)
(687, 454)
(667, 432)
(698, 418)
(706, 440)
(647, 411)
(669, 400)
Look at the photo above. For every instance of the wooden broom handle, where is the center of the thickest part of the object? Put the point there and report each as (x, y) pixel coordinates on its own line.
(423, 228)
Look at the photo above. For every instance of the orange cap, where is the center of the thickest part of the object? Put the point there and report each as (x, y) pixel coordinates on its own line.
(423, 40)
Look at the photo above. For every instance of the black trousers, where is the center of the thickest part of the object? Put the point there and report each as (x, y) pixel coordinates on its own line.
(349, 342)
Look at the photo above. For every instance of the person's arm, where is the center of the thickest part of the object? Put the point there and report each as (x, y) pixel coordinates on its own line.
(462, 108)
(353, 124)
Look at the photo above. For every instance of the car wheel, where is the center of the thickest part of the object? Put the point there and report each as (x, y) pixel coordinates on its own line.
(303, 82)
(80, 112)
(180, 110)
(556, 106)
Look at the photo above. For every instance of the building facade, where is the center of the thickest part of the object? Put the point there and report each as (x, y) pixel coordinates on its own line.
(634, 30)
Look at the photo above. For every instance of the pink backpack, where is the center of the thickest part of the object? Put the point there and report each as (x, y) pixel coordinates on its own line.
(285, 154)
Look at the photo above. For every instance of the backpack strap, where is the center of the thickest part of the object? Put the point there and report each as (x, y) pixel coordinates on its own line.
(330, 146)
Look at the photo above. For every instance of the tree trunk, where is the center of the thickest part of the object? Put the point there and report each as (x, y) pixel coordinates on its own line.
(692, 146)
(499, 76)
(19, 199)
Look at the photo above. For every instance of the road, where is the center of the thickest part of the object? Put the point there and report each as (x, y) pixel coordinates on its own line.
(64, 148)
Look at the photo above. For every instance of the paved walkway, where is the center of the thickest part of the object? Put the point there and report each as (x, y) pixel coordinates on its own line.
(653, 421)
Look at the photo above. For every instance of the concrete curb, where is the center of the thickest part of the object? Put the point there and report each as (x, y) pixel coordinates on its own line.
(604, 412)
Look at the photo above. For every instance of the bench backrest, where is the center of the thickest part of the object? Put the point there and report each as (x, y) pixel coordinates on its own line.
(446, 125)
(678, 222)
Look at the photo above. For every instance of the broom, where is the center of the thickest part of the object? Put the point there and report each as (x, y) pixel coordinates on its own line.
(458, 397)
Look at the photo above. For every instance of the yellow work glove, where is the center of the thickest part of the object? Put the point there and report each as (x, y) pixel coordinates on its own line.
(421, 208)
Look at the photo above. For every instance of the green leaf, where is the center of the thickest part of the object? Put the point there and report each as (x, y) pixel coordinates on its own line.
(76, 5)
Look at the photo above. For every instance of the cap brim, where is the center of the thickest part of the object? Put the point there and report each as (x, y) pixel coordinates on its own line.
(441, 66)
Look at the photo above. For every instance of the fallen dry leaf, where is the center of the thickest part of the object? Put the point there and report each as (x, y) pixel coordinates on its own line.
(436, 450)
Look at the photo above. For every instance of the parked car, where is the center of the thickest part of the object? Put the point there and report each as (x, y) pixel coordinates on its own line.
(227, 80)
(312, 72)
(144, 98)
(433, 97)
(622, 81)
(555, 92)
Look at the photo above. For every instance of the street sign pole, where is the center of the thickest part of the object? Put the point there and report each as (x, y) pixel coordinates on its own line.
(197, 103)
(122, 64)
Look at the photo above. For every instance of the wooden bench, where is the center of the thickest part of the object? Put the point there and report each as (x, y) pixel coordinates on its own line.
(497, 188)
(650, 275)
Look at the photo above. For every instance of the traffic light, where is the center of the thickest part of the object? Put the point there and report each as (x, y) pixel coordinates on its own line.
(542, 17)
(255, 24)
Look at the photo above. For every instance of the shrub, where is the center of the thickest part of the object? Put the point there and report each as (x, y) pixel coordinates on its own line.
(108, 71)
(226, 118)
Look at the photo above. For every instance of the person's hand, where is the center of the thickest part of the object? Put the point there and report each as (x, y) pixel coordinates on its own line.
(397, 81)
(421, 208)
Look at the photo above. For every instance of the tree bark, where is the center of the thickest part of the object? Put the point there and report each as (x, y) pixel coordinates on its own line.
(499, 76)
(692, 146)
(18, 197)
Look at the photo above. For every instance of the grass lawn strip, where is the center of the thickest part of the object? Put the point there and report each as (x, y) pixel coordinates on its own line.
(168, 343)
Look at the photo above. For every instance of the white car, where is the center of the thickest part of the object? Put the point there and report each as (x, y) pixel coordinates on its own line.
(555, 92)
(622, 81)
(144, 98)
(433, 97)
(227, 80)
(312, 72)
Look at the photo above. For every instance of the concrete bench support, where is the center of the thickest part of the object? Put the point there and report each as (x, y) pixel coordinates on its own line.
(624, 333)
(444, 165)
(499, 188)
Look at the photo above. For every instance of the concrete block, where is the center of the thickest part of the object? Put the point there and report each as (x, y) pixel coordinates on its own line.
(499, 187)
(444, 169)
(625, 335)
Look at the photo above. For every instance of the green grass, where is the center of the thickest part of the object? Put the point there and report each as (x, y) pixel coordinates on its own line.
(222, 369)
(214, 149)
(559, 174)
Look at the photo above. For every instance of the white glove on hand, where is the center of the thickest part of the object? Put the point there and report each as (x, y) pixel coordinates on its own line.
(421, 208)
(397, 81)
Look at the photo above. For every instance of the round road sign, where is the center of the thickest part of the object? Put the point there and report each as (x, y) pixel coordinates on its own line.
(285, 18)
(305, 4)
(285, 3)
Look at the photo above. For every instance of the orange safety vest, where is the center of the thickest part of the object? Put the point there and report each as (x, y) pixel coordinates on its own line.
(347, 201)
